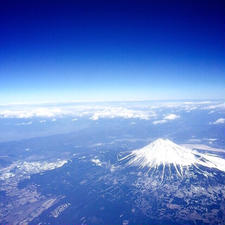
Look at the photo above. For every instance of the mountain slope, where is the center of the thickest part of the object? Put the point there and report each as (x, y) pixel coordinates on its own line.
(167, 155)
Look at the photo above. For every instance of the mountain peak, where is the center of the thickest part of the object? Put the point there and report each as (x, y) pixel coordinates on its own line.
(163, 151)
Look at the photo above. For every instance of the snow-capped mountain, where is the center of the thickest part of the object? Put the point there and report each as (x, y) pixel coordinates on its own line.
(168, 180)
(167, 155)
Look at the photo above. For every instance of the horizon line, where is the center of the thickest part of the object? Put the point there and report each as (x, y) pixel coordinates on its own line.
(206, 100)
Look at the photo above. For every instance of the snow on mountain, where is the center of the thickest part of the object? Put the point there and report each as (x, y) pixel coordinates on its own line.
(167, 154)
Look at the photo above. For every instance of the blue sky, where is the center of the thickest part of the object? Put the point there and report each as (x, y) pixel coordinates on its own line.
(111, 50)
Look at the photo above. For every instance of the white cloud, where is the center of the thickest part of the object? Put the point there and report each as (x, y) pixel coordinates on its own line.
(97, 162)
(190, 105)
(166, 119)
(219, 121)
(182, 105)
(140, 110)
(94, 112)
(112, 112)
(211, 112)
(31, 112)
(159, 121)
(171, 117)
(24, 123)
(215, 106)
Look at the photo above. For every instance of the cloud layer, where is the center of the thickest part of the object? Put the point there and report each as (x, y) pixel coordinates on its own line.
(128, 110)
(166, 119)
(219, 121)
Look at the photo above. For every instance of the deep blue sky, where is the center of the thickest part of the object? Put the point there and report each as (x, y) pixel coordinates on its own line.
(111, 50)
